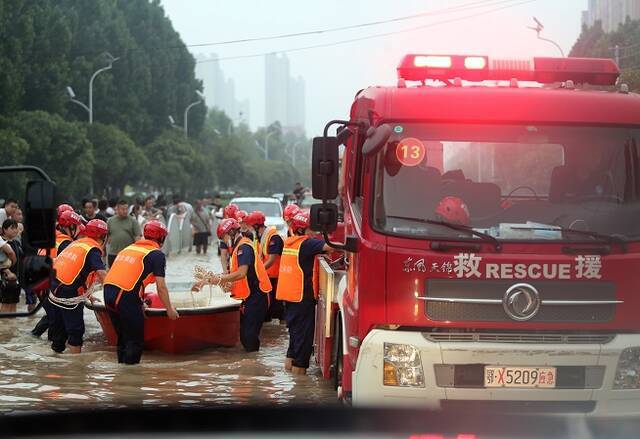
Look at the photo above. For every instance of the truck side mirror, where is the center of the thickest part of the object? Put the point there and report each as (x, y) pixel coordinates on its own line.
(324, 168)
(40, 214)
(376, 139)
(324, 218)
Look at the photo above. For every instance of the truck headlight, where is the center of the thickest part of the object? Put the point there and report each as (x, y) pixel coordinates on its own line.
(402, 366)
(628, 371)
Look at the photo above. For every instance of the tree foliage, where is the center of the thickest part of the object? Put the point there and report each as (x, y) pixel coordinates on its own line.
(47, 45)
(118, 161)
(59, 147)
(594, 42)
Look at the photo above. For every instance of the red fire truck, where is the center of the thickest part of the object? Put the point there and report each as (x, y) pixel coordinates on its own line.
(526, 296)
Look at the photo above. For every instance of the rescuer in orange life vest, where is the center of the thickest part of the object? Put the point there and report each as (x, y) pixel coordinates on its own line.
(297, 287)
(77, 267)
(288, 213)
(66, 231)
(269, 246)
(250, 283)
(135, 267)
(245, 228)
(228, 212)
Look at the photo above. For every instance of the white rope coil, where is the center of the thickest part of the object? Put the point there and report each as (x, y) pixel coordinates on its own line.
(72, 302)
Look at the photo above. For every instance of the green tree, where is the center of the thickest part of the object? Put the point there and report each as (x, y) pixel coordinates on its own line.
(13, 149)
(118, 161)
(175, 164)
(59, 147)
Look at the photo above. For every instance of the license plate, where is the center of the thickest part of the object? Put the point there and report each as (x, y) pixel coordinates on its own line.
(531, 377)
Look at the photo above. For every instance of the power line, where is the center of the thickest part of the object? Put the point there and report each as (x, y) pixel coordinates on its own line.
(629, 46)
(459, 8)
(631, 55)
(368, 37)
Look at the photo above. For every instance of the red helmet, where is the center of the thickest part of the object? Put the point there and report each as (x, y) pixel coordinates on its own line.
(227, 225)
(300, 220)
(96, 229)
(454, 210)
(154, 230)
(63, 208)
(255, 218)
(230, 211)
(290, 211)
(241, 215)
(69, 218)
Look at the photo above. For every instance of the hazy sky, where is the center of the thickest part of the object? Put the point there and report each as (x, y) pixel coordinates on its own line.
(334, 74)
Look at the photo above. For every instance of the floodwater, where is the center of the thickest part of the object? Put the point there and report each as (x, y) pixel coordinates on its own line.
(34, 378)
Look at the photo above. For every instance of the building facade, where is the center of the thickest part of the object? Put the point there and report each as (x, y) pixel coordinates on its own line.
(284, 95)
(611, 13)
(219, 91)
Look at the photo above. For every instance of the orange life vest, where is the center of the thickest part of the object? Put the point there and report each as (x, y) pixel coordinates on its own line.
(291, 278)
(240, 288)
(274, 270)
(128, 266)
(60, 238)
(69, 263)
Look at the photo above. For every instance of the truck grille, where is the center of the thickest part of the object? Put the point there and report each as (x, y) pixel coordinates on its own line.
(519, 338)
(494, 291)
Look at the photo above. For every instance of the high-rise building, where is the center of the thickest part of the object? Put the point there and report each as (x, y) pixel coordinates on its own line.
(611, 13)
(220, 92)
(284, 95)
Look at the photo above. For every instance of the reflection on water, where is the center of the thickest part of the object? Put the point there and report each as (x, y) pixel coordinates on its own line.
(32, 377)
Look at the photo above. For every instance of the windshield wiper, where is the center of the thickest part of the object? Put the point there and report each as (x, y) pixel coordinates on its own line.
(609, 239)
(458, 227)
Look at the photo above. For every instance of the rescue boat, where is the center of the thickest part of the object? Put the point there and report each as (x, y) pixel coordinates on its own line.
(207, 318)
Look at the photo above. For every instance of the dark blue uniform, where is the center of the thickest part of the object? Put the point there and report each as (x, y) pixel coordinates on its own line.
(127, 313)
(67, 324)
(276, 307)
(301, 316)
(43, 324)
(255, 307)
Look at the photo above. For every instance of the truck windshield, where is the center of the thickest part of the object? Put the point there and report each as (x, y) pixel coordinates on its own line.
(513, 182)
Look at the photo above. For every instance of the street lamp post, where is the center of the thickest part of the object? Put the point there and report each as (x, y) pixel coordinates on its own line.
(266, 144)
(294, 146)
(186, 112)
(110, 60)
(538, 28)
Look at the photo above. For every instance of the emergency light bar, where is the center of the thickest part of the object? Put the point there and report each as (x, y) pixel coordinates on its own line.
(596, 71)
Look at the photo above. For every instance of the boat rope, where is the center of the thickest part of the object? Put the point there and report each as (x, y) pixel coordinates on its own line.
(70, 303)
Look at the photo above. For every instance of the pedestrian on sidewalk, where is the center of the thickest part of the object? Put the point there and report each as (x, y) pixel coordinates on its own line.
(124, 230)
(12, 250)
(200, 223)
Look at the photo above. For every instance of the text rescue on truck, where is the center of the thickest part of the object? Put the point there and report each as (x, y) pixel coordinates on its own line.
(526, 293)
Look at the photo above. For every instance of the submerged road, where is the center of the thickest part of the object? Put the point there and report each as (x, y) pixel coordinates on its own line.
(34, 378)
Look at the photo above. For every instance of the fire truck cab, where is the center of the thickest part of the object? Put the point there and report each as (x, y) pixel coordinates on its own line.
(491, 238)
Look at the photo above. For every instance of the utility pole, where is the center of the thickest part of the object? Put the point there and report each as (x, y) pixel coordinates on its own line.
(538, 28)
